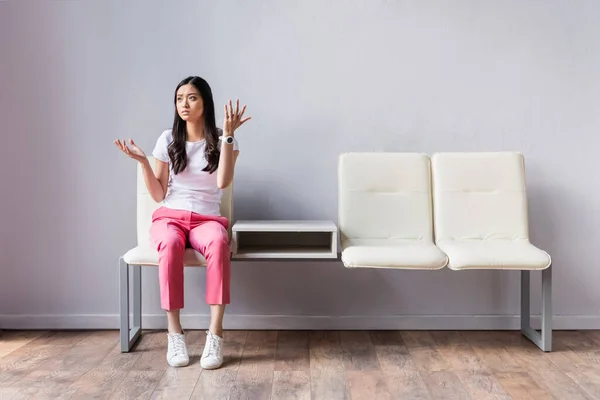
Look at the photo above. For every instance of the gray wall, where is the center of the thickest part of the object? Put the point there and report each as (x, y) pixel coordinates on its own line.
(319, 78)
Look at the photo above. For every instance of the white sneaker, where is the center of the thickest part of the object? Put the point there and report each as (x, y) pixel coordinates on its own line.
(212, 356)
(177, 355)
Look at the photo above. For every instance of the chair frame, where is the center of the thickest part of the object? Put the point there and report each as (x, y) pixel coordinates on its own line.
(129, 335)
(542, 339)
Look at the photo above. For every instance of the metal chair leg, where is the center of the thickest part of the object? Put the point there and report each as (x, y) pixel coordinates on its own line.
(129, 336)
(544, 339)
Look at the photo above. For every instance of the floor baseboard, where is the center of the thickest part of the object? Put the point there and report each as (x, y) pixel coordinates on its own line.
(285, 322)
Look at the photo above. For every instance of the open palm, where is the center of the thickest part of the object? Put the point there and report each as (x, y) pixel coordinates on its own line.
(134, 151)
(233, 117)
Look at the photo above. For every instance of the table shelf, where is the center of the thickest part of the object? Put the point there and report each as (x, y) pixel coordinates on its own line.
(284, 239)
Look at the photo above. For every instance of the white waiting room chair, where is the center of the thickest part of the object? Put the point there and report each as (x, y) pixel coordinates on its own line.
(385, 212)
(144, 254)
(460, 210)
(481, 222)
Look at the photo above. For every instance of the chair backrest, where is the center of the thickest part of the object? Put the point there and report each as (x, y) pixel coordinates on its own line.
(479, 195)
(384, 196)
(146, 206)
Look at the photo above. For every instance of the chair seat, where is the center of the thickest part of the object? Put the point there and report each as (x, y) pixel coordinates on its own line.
(494, 254)
(142, 255)
(408, 254)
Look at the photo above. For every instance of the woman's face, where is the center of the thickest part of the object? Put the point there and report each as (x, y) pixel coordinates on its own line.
(190, 106)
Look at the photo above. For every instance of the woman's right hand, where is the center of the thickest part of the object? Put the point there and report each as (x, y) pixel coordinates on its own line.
(134, 152)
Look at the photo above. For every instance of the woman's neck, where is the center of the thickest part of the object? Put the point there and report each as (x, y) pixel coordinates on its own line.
(195, 131)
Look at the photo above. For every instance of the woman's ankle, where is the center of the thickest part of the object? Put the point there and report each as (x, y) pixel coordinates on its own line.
(173, 322)
(216, 331)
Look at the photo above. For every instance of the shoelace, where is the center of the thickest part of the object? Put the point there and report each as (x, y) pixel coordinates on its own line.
(213, 348)
(178, 344)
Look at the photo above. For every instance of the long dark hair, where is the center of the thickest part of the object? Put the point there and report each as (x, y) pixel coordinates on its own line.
(176, 148)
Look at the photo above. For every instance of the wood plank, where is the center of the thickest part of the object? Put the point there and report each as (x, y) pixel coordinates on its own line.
(292, 353)
(520, 385)
(482, 385)
(176, 384)
(583, 347)
(523, 351)
(593, 336)
(217, 384)
(12, 340)
(423, 351)
(459, 354)
(407, 384)
(97, 383)
(60, 338)
(291, 385)
(153, 356)
(588, 380)
(254, 380)
(558, 384)
(137, 384)
(397, 366)
(393, 355)
(115, 360)
(195, 339)
(42, 384)
(358, 351)
(327, 373)
(367, 384)
(85, 354)
(444, 385)
(491, 352)
(386, 338)
(26, 359)
(565, 359)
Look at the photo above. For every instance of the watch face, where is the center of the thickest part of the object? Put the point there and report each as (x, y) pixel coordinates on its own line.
(229, 139)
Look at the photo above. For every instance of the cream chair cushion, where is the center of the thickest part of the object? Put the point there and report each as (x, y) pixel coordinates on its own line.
(147, 255)
(385, 218)
(480, 208)
(144, 253)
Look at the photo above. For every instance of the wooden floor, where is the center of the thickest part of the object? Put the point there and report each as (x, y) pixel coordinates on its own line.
(327, 365)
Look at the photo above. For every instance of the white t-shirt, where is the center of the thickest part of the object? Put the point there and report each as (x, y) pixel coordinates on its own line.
(192, 189)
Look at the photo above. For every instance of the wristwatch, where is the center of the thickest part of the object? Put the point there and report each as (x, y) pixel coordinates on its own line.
(227, 139)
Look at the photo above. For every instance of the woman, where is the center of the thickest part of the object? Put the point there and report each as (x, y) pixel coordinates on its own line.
(194, 162)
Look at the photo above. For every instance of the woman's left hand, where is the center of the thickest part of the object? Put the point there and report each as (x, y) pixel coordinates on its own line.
(233, 117)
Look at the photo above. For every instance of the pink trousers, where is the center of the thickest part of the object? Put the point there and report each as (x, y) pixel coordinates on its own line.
(174, 230)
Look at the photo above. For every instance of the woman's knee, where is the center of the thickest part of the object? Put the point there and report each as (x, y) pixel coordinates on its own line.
(171, 246)
(218, 245)
(166, 236)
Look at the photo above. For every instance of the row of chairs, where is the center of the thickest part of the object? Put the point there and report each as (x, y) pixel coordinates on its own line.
(462, 211)
(403, 211)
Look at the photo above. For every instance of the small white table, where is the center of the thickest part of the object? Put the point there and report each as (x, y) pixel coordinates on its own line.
(284, 239)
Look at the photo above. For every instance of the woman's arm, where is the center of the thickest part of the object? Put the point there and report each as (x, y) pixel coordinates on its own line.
(229, 155)
(226, 165)
(156, 183)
